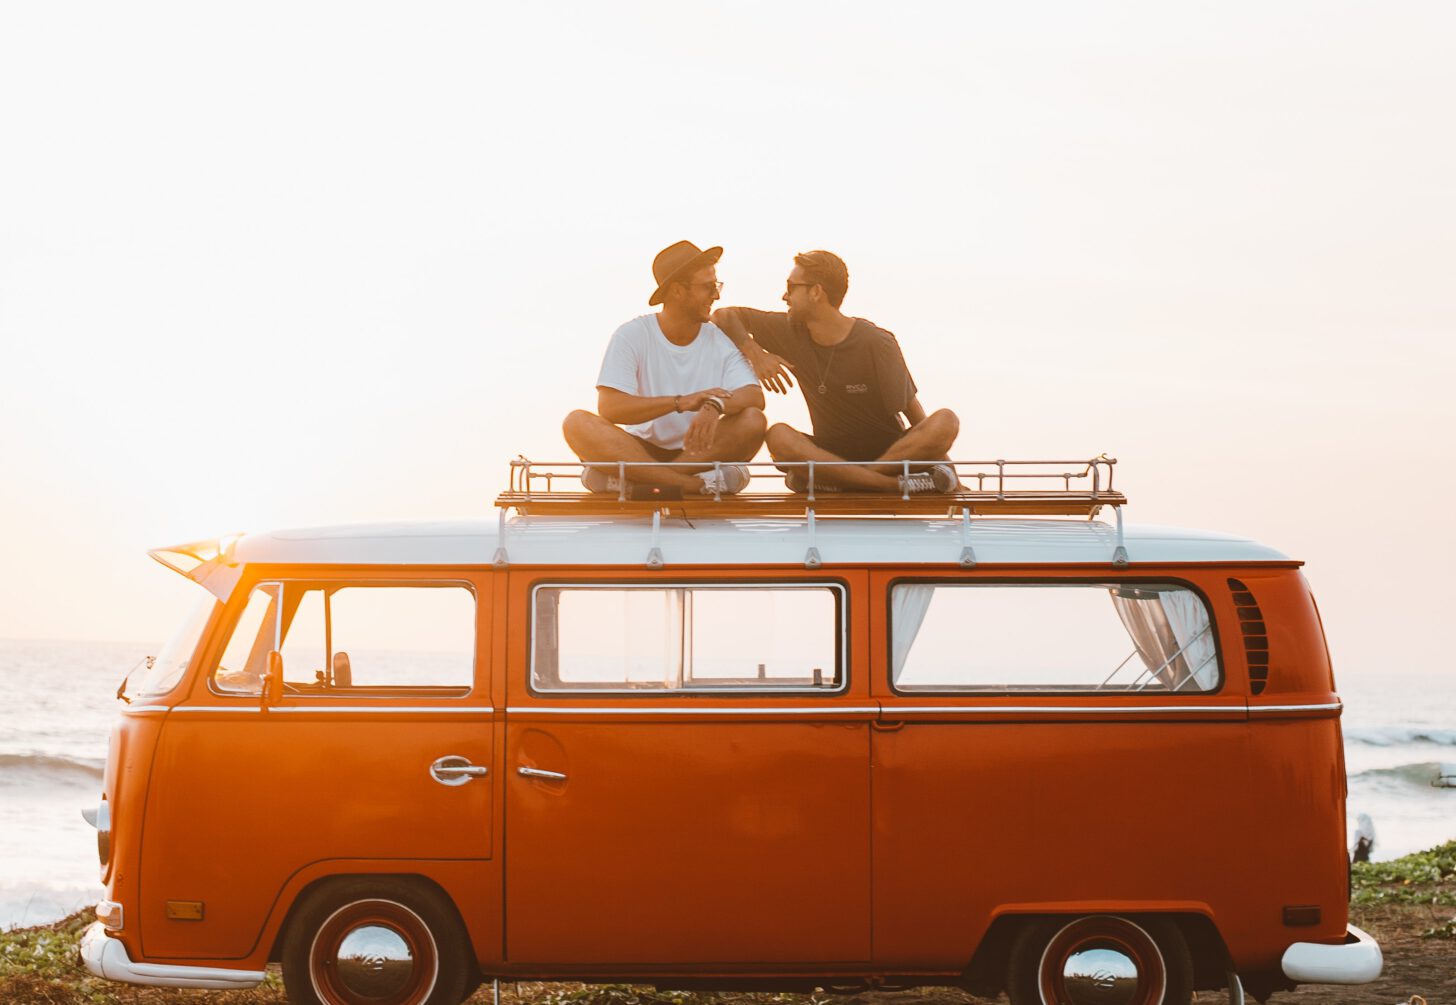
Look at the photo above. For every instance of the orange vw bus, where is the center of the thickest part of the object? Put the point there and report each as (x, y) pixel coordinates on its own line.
(768, 741)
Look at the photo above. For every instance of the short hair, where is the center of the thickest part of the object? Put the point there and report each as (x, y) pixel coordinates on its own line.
(826, 269)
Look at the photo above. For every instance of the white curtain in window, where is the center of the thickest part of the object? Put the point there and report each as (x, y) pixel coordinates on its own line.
(1143, 615)
(908, 607)
(1189, 620)
(1171, 632)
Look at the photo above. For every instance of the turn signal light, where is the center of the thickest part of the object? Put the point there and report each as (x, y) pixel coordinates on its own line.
(109, 913)
(1301, 916)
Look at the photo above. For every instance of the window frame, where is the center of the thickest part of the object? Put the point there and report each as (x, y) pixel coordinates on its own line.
(394, 692)
(838, 588)
(1045, 691)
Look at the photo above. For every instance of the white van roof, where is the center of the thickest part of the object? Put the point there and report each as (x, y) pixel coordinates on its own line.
(587, 541)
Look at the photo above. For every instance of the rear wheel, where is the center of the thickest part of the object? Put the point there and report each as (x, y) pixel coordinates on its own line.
(379, 941)
(1100, 959)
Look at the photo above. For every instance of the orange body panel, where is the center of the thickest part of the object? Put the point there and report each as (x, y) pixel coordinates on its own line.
(737, 833)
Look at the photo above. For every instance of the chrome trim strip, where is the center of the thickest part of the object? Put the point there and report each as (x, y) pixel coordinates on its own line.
(364, 709)
(472, 709)
(638, 710)
(1066, 709)
(1297, 708)
(145, 708)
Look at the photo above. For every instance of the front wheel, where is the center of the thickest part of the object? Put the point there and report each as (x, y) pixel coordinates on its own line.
(1100, 960)
(382, 941)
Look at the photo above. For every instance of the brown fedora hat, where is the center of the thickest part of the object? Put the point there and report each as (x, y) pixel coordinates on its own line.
(676, 261)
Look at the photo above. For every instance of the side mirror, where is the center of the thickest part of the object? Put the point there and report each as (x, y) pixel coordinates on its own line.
(273, 679)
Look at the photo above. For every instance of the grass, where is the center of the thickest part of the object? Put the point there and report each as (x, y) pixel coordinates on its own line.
(1425, 877)
(39, 965)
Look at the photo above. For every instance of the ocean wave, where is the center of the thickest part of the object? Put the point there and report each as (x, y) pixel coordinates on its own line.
(1395, 736)
(1420, 774)
(56, 766)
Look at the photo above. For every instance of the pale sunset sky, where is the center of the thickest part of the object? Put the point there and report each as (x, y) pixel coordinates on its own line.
(285, 264)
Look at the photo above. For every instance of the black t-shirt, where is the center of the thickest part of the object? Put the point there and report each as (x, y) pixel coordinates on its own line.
(855, 389)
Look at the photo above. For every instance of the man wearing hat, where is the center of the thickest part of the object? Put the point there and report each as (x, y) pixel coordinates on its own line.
(672, 388)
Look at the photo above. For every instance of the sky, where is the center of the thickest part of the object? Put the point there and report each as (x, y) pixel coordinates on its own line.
(289, 264)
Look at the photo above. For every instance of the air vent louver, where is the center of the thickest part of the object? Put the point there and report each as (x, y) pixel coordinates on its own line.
(1256, 638)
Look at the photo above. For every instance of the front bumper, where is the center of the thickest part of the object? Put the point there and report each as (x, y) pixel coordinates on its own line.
(1357, 961)
(107, 957)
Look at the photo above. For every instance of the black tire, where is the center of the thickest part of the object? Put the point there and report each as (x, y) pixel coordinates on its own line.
(406, 945)
(1153, 965)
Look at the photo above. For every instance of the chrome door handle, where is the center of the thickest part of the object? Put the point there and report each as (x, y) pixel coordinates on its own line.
(552, 776)
(452, 769)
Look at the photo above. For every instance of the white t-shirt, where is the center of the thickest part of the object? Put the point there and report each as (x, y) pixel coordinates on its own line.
(641, 361)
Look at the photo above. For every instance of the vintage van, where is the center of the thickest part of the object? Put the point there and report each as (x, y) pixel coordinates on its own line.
(768, 741)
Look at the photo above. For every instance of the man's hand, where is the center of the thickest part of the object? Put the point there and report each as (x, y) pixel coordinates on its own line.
(771, 370)
(702, 430)
(694, 402)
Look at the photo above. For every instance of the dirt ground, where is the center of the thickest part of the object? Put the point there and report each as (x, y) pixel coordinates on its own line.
(1413, 966)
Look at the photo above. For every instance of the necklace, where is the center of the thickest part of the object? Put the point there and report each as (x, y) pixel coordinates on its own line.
(823, 389)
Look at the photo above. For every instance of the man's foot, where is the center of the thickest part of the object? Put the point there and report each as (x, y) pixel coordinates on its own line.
(727, 480)
(797, 480)
(940, 478)
(597, 481)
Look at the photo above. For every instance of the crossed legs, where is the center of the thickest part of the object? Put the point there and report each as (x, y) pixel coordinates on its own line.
(929, 440)
(593, 438)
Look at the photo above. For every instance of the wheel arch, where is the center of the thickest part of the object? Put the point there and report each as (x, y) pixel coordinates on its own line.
(299, 893)
(986, 973)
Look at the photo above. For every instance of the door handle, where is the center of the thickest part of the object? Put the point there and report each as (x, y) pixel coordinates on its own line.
(452, 769)
(550, 776)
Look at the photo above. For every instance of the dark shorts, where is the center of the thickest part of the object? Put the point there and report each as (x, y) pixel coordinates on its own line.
(657, 453)
(858, 450)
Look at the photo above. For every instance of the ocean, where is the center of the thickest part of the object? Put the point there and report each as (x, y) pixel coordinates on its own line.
(59, 704)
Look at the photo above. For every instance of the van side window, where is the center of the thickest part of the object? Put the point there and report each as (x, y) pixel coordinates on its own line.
(1045, 637)
(354, 638)
(687, 638)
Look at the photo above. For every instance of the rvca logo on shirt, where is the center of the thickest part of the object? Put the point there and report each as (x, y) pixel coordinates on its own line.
(856, 389)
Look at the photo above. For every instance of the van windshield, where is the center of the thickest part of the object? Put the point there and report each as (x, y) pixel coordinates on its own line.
(171, 663)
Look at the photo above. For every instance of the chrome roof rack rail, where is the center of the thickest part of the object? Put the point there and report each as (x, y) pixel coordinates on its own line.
(1000, 487)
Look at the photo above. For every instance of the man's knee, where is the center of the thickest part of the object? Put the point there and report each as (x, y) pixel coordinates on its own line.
(944, 422)
(754, 422)
(578, 425)
(781, 438)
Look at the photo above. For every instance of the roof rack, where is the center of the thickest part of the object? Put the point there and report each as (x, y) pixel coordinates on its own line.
(987, 488)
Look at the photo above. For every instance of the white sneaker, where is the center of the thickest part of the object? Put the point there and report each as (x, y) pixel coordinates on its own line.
(597, 480)
(940, 478)
(797, 480)
(726, 480)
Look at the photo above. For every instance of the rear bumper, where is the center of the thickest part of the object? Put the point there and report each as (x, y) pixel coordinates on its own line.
(107, 957)
(1357, 961)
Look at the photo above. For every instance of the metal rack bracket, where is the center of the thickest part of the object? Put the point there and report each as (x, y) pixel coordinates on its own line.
(968, 555)
(811, 557)
(654, 554)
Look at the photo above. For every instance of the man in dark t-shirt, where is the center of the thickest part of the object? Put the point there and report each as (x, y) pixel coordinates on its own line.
(854, 381)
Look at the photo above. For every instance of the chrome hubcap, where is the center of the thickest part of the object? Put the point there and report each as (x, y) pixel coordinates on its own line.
(1100, 976)
(375, 962)
(1102, 960)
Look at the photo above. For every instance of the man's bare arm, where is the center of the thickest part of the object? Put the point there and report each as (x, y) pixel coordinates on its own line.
(773, 371)
(628, 409)
(914, 411)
